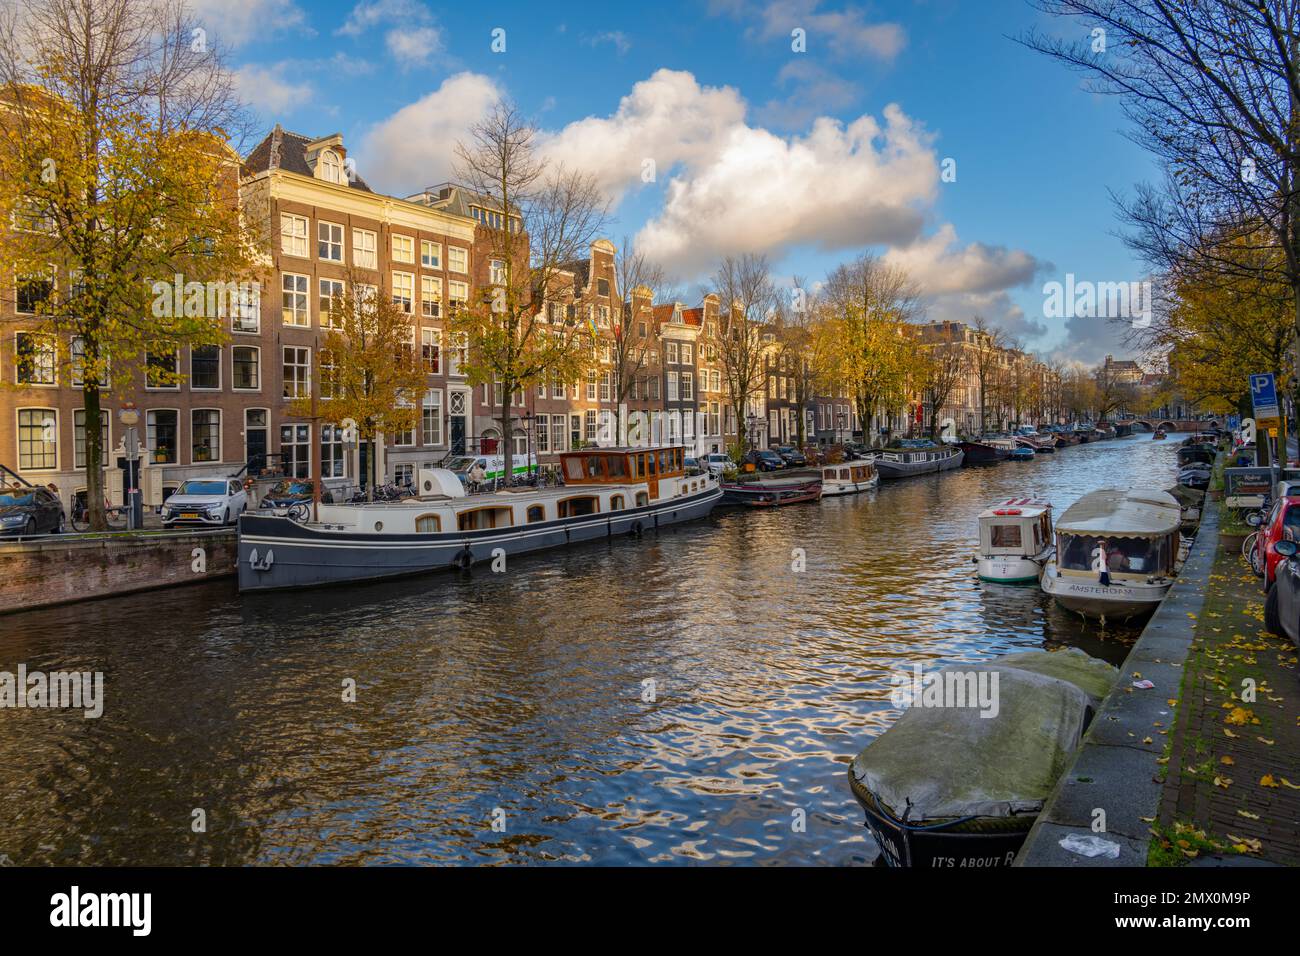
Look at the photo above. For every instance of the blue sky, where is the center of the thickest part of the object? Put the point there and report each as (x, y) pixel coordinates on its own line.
(811, 156)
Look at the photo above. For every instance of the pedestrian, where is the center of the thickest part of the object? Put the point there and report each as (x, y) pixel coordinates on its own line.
(476, 476)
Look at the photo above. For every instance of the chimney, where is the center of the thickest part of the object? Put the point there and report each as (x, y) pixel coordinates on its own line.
(277, 137)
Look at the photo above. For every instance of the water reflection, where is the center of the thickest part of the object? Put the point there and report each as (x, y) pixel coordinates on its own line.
(529, 694)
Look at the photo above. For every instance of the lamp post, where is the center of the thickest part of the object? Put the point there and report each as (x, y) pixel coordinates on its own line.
(129, 416)
(528, 442)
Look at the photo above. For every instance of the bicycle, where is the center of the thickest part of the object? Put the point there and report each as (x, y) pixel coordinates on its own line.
(114, 515)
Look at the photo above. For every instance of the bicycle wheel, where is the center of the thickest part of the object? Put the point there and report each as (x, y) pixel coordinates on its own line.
(1253, 555)
(79, 519)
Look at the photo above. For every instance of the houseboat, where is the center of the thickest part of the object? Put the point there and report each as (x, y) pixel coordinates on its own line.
(912, 457)
(848, 478)
(984, 451)
(1117, 553)
(1015, 541)
(770, 491)
(606, 492)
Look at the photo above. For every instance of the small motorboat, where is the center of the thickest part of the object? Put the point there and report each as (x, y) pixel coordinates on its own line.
(761, 492)
(1022, 453)
(983, 452)
(1117, 553)
(1015, 541)
(1197, 453)
(953, 784)
(1159, 435)
(1195, 476)
(848, 478)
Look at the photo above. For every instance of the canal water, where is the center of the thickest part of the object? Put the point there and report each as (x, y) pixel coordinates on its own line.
(687, 698)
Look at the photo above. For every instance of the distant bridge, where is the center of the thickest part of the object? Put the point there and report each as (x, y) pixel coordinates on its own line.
(1172, 424)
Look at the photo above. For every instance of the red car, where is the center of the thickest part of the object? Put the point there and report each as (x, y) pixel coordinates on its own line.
(1282, 522)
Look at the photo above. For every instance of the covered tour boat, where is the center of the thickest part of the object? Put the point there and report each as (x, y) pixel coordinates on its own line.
(606, 492)
(953, 785)
(1117, 553)
(1015, 541)
(912, 457)
(848, 478)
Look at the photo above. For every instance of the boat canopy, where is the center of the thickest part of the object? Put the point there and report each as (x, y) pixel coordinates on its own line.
(1018, 507)
(1136, 513)
(950, 762)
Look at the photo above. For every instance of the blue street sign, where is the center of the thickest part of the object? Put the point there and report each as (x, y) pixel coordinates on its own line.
(1263, 395)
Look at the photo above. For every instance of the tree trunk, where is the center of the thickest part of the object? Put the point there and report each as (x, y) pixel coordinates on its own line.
(507, 437)
(94, 457)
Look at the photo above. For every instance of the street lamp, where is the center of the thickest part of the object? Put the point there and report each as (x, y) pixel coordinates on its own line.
(129, 416)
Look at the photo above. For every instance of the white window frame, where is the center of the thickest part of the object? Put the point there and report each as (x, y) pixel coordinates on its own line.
(292, 242)
(408, 306)
(332, 244)
(430, 250)
(454, 253)
(220, 370)
(257, 365)
(306, 299)
(407, 246)
(284, 363)
(365, 249)
(53, 426)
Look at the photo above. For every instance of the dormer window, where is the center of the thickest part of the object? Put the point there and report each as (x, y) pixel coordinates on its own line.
(330, 167)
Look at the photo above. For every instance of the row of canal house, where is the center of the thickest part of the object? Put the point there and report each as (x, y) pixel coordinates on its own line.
(229, 414)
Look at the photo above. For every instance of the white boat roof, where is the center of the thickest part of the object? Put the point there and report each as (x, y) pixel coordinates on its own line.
(1137, 511)
(1017, 508)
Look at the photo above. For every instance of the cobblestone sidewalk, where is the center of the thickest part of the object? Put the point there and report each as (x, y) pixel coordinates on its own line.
(1232, 784)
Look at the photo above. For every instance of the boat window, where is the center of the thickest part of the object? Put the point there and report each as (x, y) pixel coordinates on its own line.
(642, 499)
(829, 474)
(573, 469)
(665, 464)
(428, 524)
(617, 466)
(616, 503)
(574, 507)
(593, 464)
(478, 519)
(1123, 555)
(1006, 535)
(536, 513)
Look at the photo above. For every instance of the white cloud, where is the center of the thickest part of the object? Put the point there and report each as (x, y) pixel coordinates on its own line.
(234, 23)
(364, 15)
(617, 38)
(939, 264)
(267, 91)
(813, 92)
(414, 47)
(415, 147)
(846, 33)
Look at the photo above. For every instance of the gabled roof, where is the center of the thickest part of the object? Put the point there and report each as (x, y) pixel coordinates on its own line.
(283, 149)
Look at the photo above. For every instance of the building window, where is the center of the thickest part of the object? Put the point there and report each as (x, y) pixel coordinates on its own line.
(672, 387)
(245, 363)
(79, 438)
(297, 371)
(606, 385)
(331, 451)
(497, 271)
(558, 442)
(205, 367)
(458, 259)
(364, 249)
(331, 167)
(161, 430)
(35, 355)
(591, 425)
(38, 439)
(294, 300)
(403, 291)
(543, 434)
(430, 297)
(246, 310)
(205, 435)
(295, 450)
(163, 370)
(430, 254)
(431, 418)
(77, 354)
(688, 386)
(32, 292)
(403, 249)
(670, 353)
(329, 242)
(431, 350)
(687, 354)
(331, 294)
(602, 287)
(329, 384)
(459, 353)
(293, 235)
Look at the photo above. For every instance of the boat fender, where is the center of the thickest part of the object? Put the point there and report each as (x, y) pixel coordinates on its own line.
(636, 529)
(464, 559)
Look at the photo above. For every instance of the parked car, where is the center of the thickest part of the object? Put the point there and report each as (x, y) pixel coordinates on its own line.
(792, 456)
(1282, 606)
(29, 510)
(765, 460)
(718, 463)
(205, 501)
(1281, 523)
(291, 491)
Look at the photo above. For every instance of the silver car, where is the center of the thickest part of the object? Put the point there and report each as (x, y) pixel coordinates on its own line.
(205, 501)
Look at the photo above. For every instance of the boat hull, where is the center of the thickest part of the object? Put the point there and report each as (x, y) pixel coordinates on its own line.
(1009, 569)
(769, 494)
(1086, 595)
(277, 553)
(832, 489)
(979, 453)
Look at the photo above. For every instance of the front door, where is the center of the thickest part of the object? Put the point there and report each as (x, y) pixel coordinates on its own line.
(255, 439)
(456, 413)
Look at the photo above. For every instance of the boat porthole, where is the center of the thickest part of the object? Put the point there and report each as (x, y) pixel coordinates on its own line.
(379, 526)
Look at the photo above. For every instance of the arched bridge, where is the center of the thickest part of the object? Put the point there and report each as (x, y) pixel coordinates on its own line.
(1150, 424)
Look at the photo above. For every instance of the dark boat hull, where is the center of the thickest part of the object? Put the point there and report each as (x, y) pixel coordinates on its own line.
(982, 843)
(979, 453)
(770, 495)
(277, 553)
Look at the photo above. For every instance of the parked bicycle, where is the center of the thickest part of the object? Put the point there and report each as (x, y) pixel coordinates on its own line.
(115, 515)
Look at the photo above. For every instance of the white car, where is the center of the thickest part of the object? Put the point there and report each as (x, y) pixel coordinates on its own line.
(716, 462)
(206, 501)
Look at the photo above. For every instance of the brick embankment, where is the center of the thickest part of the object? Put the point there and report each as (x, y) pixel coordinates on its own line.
(1113, 786)
(1233, 783)
(61, 569)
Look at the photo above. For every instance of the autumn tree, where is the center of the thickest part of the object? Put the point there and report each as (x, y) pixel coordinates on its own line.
(369, 378)
(549, 216)
(941, 367)
(114, 123)
(746, 297)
